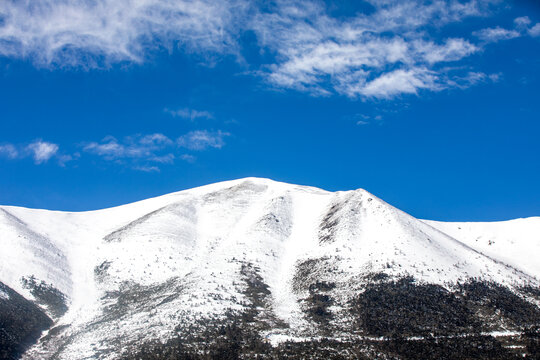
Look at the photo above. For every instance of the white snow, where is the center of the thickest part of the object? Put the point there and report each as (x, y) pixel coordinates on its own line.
(305, 217)
(515, 242)
(276, 339)
(188, 250)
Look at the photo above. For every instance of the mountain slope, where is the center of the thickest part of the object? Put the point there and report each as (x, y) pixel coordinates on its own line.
(291, 262)
(512, 242)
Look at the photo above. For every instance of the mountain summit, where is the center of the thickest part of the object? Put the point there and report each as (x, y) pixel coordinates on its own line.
(257, 268)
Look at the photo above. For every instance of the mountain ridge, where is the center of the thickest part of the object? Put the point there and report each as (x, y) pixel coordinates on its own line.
(294, 260)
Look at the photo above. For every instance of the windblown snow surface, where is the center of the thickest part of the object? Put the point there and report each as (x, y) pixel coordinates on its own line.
(150, 269)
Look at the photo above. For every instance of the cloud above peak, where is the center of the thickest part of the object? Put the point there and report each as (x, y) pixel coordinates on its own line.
(96, 33)
(496, 34)
(534, 30)
(380, 55)
(40, 151)
(203, 139)
(151, 151)
(400, 82)
(136, 149)
(396, 48)
(142, 152)
(9, 151)
(190, 114)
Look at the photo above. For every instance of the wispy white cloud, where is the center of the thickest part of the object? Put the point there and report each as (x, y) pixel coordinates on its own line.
(189, 158)
(154, 140)
(63, 159)
(450, 50)
(190, 114)
(472, 78)
(150, 152)
(144, 152)
(400, 82)
(163, 159)
(95, 33)
(535, 30)
(363, 119)
(496, 34)
(147, 168)
(42, 151)
(522, 22)
(141, 147)
(383, 54)
(203, 139)
(522, 27)
(9, 151)
(108, 147)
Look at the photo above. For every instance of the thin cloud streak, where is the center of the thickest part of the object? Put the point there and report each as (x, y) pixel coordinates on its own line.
(149, 152)
(496, 34)
(140, 152)
(142, 147)
(203, 139)
(190, 114)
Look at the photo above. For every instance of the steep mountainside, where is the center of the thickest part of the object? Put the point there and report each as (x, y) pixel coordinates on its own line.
(254, 266)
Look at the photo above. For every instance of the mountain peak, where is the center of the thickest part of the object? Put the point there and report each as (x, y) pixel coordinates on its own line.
(249, 245)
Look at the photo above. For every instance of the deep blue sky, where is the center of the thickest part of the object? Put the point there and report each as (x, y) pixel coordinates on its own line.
(440, 117)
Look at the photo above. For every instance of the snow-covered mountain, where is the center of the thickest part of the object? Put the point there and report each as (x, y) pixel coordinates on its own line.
(514, 242)
(291, 261)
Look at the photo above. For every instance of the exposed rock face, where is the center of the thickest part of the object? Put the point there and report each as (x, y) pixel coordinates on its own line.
(21, 323)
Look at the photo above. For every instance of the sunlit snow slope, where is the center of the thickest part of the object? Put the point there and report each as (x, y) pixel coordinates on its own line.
(150, 269)
(515, 242)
